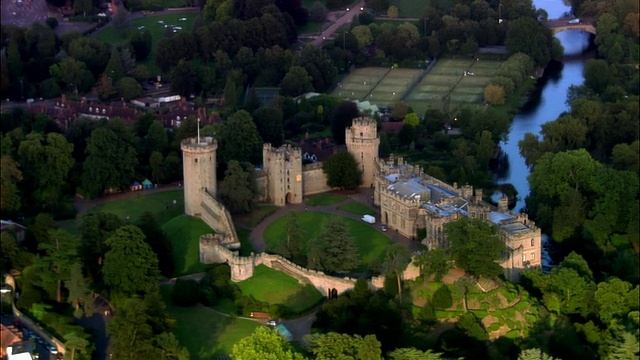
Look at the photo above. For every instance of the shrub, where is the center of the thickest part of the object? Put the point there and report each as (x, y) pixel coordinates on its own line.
(185, 292)
(207, 296)
(247, 304)
(427, 314)
(442, 298)
(391, 284)
(52, 22)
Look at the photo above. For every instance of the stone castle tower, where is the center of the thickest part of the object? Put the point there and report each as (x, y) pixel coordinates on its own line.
(363, 142)
(283, 167)
(199, 170)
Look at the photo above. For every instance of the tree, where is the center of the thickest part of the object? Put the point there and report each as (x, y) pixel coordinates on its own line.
(494, 94)
(121, 22)
(342, 171)
(238, 189)
(130, 266)
(156, 138)
(129, 88)
(265, 344)
(613, 298)
(528, 36)
(104, 88)
(397, 259)
(95, 229)
(318, 12)
(130, 331)
(269, 122)
(294, 238)
(340, 250)
(158, 241)
(434, 262)
(61, 255)
(239, 139)
(411, 119)
(115, 67)
(534, 354)
(75, 342)
(91, 51)
(342, 117)
(156, 161)
(9, 251)
(393, 12)
(83, 6)
(296, 82)
(230, 94)
(71, 72)
(111, 159)
(475, 246)
(363, 35)
(344, 346)
(170, 347)
(413, 354)
(79, 292)
(183, 78)
(442, 298)
(400, 110)
(141, 43)
(10, 176)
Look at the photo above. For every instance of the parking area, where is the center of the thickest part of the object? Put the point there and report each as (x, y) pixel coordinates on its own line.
(23, 13)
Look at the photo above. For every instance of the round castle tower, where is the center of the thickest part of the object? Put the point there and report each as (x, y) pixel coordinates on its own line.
(199, 170)
(363, 142)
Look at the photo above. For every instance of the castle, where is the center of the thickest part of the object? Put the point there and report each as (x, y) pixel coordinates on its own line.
(410, 202)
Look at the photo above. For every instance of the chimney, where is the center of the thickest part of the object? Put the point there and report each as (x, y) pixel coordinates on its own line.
(503, 204)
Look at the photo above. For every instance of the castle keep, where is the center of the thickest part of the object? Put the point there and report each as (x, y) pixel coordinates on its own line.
(409, 200)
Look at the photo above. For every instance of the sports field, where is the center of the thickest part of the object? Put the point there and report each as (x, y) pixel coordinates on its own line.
(393, 86)
(359, 83)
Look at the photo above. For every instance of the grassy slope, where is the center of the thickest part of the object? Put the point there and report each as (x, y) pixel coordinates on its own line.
(276, 287)
(160, 204)
(357, 208)
(205, 333)
(325, 199)
(184, 233)
(371, 244)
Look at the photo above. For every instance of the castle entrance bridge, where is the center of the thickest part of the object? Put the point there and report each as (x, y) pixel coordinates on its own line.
(560, 25)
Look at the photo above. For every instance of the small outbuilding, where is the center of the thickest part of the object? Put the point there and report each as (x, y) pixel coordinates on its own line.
(146, 184)
(135, 186)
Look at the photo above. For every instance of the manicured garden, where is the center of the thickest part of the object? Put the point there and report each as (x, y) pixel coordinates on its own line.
(203, 331)
(184, 233)
(276, 287)
(371, 244)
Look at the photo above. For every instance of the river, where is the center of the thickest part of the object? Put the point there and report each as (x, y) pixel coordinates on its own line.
(545, 104)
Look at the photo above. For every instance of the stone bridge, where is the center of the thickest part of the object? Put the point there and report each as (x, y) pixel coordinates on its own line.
(560, 25)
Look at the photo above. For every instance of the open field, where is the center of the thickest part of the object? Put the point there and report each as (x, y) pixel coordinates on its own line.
(447, 77)
(371, 244)
(324, 199)
(160, 204)
(184, 233)
(393, 86)
(357, 208)
(276, 287)
(156, 28)
(359, 82)
(409, 8)
(206, 334)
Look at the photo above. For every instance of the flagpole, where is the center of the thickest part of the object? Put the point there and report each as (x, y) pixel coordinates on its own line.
(198, 131)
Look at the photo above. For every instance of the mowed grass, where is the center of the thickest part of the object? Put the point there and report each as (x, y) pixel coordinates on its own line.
(357, 208)
(160, 204)
(325, 199)
(110, 34)
(371, 244)
(184, 233)
(205, 333)
(410, 8)
(276, 287)
(393, 86)
(359, 83)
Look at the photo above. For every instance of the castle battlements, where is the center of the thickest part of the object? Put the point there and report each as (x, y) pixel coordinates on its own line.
(206, 144)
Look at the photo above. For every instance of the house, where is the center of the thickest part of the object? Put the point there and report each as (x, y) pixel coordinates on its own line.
(7, 338)
(16, 229)
(146, 184)
(135, 186)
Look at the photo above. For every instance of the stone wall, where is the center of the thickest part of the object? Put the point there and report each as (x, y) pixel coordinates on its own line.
(314, 180)
(217, 217)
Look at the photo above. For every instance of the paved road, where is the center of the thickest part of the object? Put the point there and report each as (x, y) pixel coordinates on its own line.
(345, 19)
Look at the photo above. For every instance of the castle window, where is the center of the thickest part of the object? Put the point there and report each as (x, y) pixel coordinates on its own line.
(533, 256)
(196, 160)
(533, 242)
(361, 134)
(524, 257)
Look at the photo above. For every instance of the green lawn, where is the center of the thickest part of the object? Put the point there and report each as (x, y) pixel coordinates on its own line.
(357, 208)
(276, 287)
(245, 244)
(205, 333)
(310, 28)
(160, 204)
(325, 199)
(184, 233)
(110, 35)
(371, 244)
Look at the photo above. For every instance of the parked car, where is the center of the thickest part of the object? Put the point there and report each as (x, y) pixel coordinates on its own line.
(574, 21)
(383, 228)
(272, 323)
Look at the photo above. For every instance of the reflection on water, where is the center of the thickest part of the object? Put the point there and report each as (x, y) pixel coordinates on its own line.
(545, 103)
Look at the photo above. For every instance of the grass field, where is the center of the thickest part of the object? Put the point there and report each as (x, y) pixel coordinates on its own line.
(359, 83)
(393, 86)
(356, 208)
(324, 199)
(371, 244)
(276, 287)
(184, 233)
(410, 8)
(160, 204)
(206, 334)
(110, 35)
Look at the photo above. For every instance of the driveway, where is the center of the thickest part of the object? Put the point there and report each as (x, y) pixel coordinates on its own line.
(344, 19)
